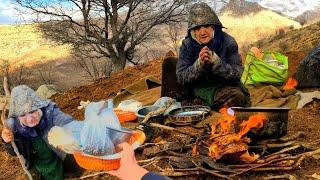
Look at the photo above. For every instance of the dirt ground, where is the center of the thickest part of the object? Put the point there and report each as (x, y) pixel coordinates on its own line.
(306, 119)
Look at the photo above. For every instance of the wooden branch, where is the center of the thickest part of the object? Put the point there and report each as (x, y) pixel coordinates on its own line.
(152, 159)
(292, 148)
(155, 150)
(311, 145)
(5, 86)
(285, 176)
(215, 173)
(271, 146)
(259, 166)
(293, 137)
(180, 174)
(285, 168)
(283, 139)
(92, 175)
(284, 150)
(150, 163)
(270, 158)
(3, 114)
(311, 153)
(170, 129)
(299, 158)
(197, 169)
(151, 144)
(158, 111)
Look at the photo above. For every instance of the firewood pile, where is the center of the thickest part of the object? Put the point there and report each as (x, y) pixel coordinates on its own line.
(219, 150)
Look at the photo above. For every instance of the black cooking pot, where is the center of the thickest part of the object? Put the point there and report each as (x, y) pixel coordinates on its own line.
(274, 127)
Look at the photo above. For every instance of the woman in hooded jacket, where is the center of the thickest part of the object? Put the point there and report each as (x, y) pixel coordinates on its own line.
(32, 118)
(209, 66)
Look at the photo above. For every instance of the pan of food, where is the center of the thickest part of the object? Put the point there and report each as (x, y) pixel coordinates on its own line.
(187, 115)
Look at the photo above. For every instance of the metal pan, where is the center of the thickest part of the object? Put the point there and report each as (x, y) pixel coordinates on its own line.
(187, 115)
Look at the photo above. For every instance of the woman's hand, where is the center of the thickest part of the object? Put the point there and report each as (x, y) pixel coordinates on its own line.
(129, 168)
(205, 55)
(7, 135)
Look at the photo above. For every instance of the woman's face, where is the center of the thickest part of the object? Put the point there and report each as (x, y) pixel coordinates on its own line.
(31, 119)
(203, 34)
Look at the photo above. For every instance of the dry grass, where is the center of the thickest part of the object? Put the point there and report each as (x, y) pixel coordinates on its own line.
(25, 44)
(303, 39)
(255, 26)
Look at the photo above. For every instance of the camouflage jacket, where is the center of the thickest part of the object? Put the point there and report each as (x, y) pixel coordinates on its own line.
(226, 71)
(53, 117)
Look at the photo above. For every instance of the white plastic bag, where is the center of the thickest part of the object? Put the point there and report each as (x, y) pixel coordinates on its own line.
(94, 136)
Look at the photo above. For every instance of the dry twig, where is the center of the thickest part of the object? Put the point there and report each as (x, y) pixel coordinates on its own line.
(170, 129)
(285, 176)
(92, 175)
(157, 112)
(275, 145)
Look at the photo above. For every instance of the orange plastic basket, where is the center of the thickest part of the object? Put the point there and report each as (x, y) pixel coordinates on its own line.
(110, 162)
(125, 116)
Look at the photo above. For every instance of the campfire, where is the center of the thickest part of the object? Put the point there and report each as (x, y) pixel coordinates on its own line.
(223, 141)
(222, 148)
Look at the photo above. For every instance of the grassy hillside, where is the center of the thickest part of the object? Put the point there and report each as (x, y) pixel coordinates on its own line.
(255, 26)
(303, 39)
(25, 44)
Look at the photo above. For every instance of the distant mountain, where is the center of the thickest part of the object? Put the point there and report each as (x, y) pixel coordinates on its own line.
(241, 8)
(308, 17)
(249, 22)
(291, 8)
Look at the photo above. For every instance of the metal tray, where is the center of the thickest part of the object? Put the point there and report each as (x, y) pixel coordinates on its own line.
(187, 115)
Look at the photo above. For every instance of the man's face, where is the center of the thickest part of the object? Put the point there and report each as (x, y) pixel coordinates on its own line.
(203, 34)
(31, 119)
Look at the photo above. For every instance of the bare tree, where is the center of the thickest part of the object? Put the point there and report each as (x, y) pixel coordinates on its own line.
(173, 32)
(94, 68)
(19, 75)
(109, 29)
(44, 74)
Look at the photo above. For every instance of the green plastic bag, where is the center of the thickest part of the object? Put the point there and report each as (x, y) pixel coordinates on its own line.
(272, 69)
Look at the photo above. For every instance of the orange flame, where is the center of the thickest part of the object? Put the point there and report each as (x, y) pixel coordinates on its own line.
(227, 120)
(220, 142)
(213, 151)
(255, 121)
(195, 150)
(291, 83)
(246, 157)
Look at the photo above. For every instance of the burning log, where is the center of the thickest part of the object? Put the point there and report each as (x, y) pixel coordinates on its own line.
(223, 141)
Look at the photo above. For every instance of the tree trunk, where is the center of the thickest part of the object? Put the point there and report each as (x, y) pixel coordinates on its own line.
(119, 62)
